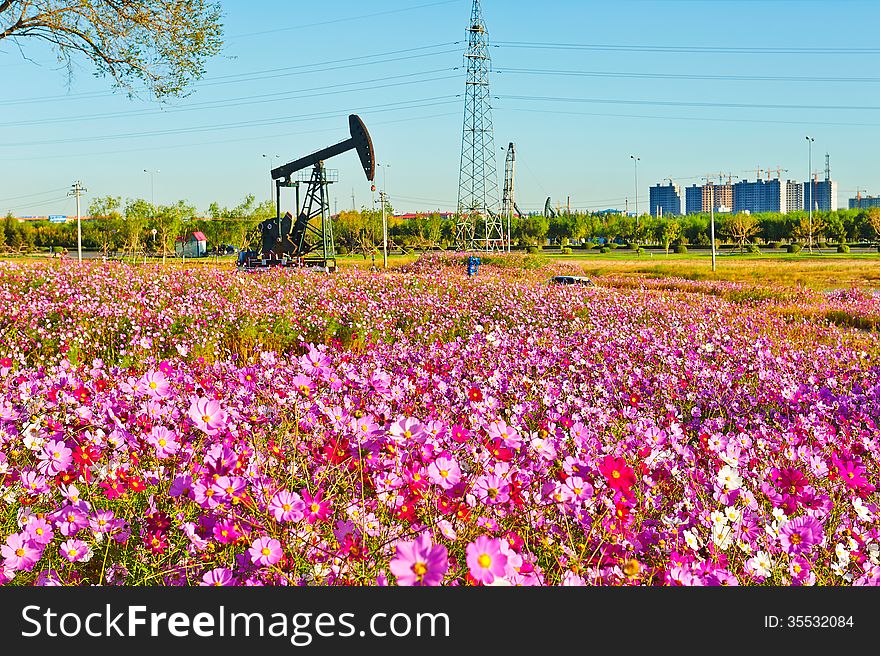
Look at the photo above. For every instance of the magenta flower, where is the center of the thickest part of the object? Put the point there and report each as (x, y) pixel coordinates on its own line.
(419, 562)
(316, 507)
(54, 457)
(164, 441)
(491, 489)
(69, 520)
(207, 415)
(265, 551)
(225, 532)
(798, 535)
(445, 472)
(19, 552)
(485, 559)
(287, 506)
(219, 576)
(39, 530)
(155, 384)
(75, 550)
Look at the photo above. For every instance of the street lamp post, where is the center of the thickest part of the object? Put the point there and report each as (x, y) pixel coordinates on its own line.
(810, 141)
(383, 198)
(271, 159)
(636, 174)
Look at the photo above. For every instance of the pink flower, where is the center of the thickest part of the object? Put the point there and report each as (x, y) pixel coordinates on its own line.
(287, 506)
(798, 535)
(491, 489)
(164, 441)
(219, 576)
(54, 457)
(316, 507)
(445, 472)
(19, 552)
(39, 530)
(419, 562)
(404, 431)
(155, 384)
(75, 550)
(485, 559)
(265, 551)
(207, 415)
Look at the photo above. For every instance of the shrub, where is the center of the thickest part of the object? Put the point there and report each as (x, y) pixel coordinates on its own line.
(680, 248)
(773, 244)
(604, 249)
(842, 248)
(753, 248)
(531, 249)
(640, 251)
(566, 250)
(342, 250)
(794, 248)
(822, 244)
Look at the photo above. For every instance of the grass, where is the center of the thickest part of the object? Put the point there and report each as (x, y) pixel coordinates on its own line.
(816, 271)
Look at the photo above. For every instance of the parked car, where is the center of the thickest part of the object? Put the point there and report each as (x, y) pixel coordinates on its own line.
(571, 280)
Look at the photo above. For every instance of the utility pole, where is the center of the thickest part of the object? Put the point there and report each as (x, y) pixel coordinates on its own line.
(76, 190)
(636, 172)
(384, 232)
(711, 186)
(810, 141)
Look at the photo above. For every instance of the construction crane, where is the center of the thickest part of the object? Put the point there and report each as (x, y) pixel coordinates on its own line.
(779, 170)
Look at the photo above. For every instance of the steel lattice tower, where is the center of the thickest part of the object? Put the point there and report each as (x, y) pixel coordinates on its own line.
(508, 204)
(478, 226)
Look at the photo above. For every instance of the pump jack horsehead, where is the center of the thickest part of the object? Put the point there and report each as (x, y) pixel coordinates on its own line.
(306, 240)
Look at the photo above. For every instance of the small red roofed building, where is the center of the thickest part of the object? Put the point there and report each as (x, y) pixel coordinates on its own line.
(195, 244)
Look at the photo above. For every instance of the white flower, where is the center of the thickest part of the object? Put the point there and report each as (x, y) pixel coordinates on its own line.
(718, 518)
(779, 515)
(842, 554)
(733, 514)
(691, 539)
(722, 536)
(861, 510)
(728, 478)
(873, 550)
(761, 564)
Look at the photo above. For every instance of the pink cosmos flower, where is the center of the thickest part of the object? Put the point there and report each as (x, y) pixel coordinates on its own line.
(219, 576)
(265, 551)
(406, 430)
(798, 535)
(485, 559)
(207, 415)
(70, 520)
(164, 441)
(619, 475)
(225, 532)
(54, 457)
(287, 506)
(419, 562)
(491, 489)
(19, 552)
(75, 550)
(445, 472)
(39, 530)
(316, 507)
(499, 430)
(155, 384)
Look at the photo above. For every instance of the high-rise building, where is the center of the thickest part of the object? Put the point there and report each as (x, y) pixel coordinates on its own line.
(794, 196)
(824, 195)
(864, 201)
(760, 196)
(693, 199)
(665, 199)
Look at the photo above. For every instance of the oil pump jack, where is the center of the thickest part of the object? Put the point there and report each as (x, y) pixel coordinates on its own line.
(305, 241)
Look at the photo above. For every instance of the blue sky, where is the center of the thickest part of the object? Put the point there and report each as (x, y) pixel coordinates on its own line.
(691, 87)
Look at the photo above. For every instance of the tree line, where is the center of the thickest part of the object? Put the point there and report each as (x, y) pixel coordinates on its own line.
(135, 226)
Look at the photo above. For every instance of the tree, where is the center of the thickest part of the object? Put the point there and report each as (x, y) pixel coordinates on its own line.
(873, 215)
(105, 207)
(669, 231)
(741, 227)
(160, 45)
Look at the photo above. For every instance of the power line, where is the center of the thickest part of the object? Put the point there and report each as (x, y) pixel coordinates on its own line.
(687, 103)
(686, 76)
(689, 49)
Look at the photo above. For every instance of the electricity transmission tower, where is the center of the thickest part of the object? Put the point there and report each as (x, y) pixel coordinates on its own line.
(478, 225)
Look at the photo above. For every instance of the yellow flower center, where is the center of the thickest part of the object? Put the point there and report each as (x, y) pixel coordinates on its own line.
(206, 418)
(444, 473)
(265, 551)
(19, 552)
(153, 384)
(484, 561)
(615, 474)
(315, 507)
(162, 441)
(420, 569)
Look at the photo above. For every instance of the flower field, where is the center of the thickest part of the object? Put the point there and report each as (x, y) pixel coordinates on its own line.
(420, 427)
